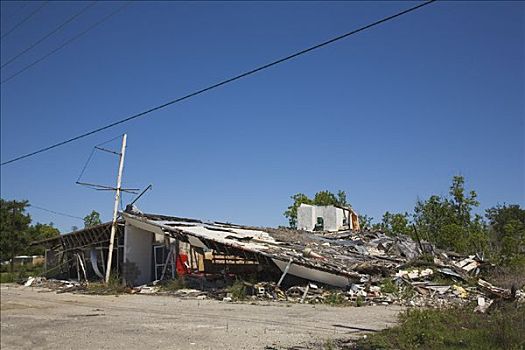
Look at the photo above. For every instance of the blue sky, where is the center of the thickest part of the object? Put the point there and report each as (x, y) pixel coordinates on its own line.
(388, 115)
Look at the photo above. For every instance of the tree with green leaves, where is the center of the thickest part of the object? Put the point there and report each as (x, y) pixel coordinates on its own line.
(395, 223)
(320, 198)
(507, 234)
(92, 219)
(448, 221)
(461, 203)
(14, 226)
(40, 232)
(291, 212)
(365, 222)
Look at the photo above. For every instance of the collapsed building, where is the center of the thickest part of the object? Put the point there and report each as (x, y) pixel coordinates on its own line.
(153, 247)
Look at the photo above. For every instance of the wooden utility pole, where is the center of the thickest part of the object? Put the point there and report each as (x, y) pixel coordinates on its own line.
(115, 208)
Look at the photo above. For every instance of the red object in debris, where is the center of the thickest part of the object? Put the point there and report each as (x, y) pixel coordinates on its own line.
(182, 265)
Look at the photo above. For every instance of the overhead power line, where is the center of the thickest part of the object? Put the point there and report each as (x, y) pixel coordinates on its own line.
(67, 42)
(224, 82)
(24, 20)
(15, 11)
(55, 212)
(69, 20)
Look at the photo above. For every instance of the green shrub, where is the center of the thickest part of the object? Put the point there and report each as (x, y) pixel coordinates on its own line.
(458, 328)
(335, 298)
(174, 284)
(422, 261)
(8, 277)
(20, 273)
(238, 290)
(389, 286)
(328, 345)
(113, 287)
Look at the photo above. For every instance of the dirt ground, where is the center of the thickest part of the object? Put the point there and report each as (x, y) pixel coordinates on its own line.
(36, 318)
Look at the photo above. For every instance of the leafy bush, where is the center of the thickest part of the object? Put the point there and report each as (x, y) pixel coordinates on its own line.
(174, 284)
(458, 328)
(7, 277)
(389, 286)
(335, 298)
(238, 290)
(113, 287)
(328, 345)
(20, 273)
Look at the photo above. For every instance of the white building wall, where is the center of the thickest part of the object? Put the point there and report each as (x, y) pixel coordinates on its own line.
(329, 215)
(340, 217)
(137, 255)
(306, 216)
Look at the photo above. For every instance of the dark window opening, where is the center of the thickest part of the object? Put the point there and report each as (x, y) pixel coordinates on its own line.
(319, 226)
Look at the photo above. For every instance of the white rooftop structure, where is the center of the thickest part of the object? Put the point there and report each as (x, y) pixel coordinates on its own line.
(326, 218)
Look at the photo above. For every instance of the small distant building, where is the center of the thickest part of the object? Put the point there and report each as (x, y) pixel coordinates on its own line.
(28, 260)
(326, 218)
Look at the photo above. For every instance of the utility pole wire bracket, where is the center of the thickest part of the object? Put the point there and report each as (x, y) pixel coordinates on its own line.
(108, 188)
(107, 150)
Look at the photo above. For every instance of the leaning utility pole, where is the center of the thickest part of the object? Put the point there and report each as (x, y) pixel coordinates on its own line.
(115, 208)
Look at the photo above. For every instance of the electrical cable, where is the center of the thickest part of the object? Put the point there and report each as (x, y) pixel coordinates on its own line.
(108, 141)
(91, 155)
(86, 164)
(55, 212)
(214, 86)
(15, 12)
(67, 42)
(69, 20)
(25, 19)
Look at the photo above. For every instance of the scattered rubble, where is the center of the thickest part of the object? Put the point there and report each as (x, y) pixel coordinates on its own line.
(403, 288)
(147, 289)
(382, 270)
(60, 286)
(483, 304)
(493, 290)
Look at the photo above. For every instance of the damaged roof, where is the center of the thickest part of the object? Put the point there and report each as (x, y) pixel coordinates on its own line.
(334, 258)
(88, 236)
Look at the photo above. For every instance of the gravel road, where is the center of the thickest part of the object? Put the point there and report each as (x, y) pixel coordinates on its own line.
(36, 318)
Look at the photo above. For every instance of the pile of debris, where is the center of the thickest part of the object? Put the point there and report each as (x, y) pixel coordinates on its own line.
(385, 270)
(376, 269)
(60, 286)
(408, 287)
(420, 291)
(369, 256)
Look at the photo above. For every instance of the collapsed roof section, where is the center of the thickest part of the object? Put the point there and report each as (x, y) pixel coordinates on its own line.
(86, 237)
(334, 259)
